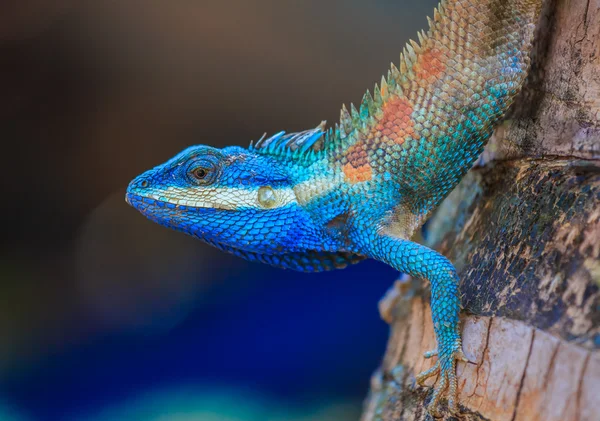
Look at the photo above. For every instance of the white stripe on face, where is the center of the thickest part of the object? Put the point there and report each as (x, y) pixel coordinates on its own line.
(230, 198)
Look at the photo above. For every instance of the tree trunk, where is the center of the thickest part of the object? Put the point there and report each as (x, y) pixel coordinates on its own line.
(523, 229)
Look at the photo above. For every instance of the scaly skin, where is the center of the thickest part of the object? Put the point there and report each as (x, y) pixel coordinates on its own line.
(319, 200)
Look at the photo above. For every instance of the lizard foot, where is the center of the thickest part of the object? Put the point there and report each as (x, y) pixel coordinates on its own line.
(447, 383)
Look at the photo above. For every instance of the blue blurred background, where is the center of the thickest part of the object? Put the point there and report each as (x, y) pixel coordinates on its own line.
(106, 316)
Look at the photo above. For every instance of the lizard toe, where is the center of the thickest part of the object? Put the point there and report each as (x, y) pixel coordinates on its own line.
(431, 353)
(433, 371)
(447, 384)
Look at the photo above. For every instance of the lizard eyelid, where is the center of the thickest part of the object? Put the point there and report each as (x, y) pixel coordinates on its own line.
(202, 172)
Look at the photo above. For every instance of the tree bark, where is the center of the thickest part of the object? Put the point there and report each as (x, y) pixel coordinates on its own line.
(523, 230)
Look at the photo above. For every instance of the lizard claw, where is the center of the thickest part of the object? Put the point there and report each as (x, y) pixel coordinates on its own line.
(460, 356)
(447, 384)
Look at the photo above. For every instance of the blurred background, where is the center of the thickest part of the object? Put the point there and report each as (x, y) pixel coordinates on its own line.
(106, 316)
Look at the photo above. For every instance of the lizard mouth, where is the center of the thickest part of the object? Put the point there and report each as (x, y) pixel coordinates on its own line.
(143, 202)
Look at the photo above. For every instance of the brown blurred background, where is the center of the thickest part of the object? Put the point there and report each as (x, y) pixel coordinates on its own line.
(95, 92)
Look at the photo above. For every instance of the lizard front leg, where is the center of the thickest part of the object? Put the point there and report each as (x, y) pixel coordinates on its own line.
(420, 261)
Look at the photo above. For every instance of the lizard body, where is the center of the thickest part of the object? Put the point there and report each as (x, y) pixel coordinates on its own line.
(322, 199)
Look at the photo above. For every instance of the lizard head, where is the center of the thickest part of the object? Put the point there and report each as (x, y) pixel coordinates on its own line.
(232, 198)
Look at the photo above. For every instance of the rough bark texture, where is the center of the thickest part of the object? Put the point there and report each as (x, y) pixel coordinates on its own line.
(523, 229)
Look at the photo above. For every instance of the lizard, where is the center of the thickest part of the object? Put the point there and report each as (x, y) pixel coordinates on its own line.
(325, 198)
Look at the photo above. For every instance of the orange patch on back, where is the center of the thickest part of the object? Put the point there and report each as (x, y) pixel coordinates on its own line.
(357, 175)
(357, 169)
(429, 65)
(396, 123)
(357, 155)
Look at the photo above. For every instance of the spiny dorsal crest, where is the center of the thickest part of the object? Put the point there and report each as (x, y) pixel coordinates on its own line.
(293, 145)
(372, 104)
(305, 144)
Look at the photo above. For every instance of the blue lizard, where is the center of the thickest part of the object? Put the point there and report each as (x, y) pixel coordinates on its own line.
(326, 198)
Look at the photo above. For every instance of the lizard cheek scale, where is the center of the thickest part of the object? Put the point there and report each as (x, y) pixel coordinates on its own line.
(266, 197)
(323, 198)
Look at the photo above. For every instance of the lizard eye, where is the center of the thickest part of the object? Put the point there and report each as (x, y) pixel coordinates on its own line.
(202, 172)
